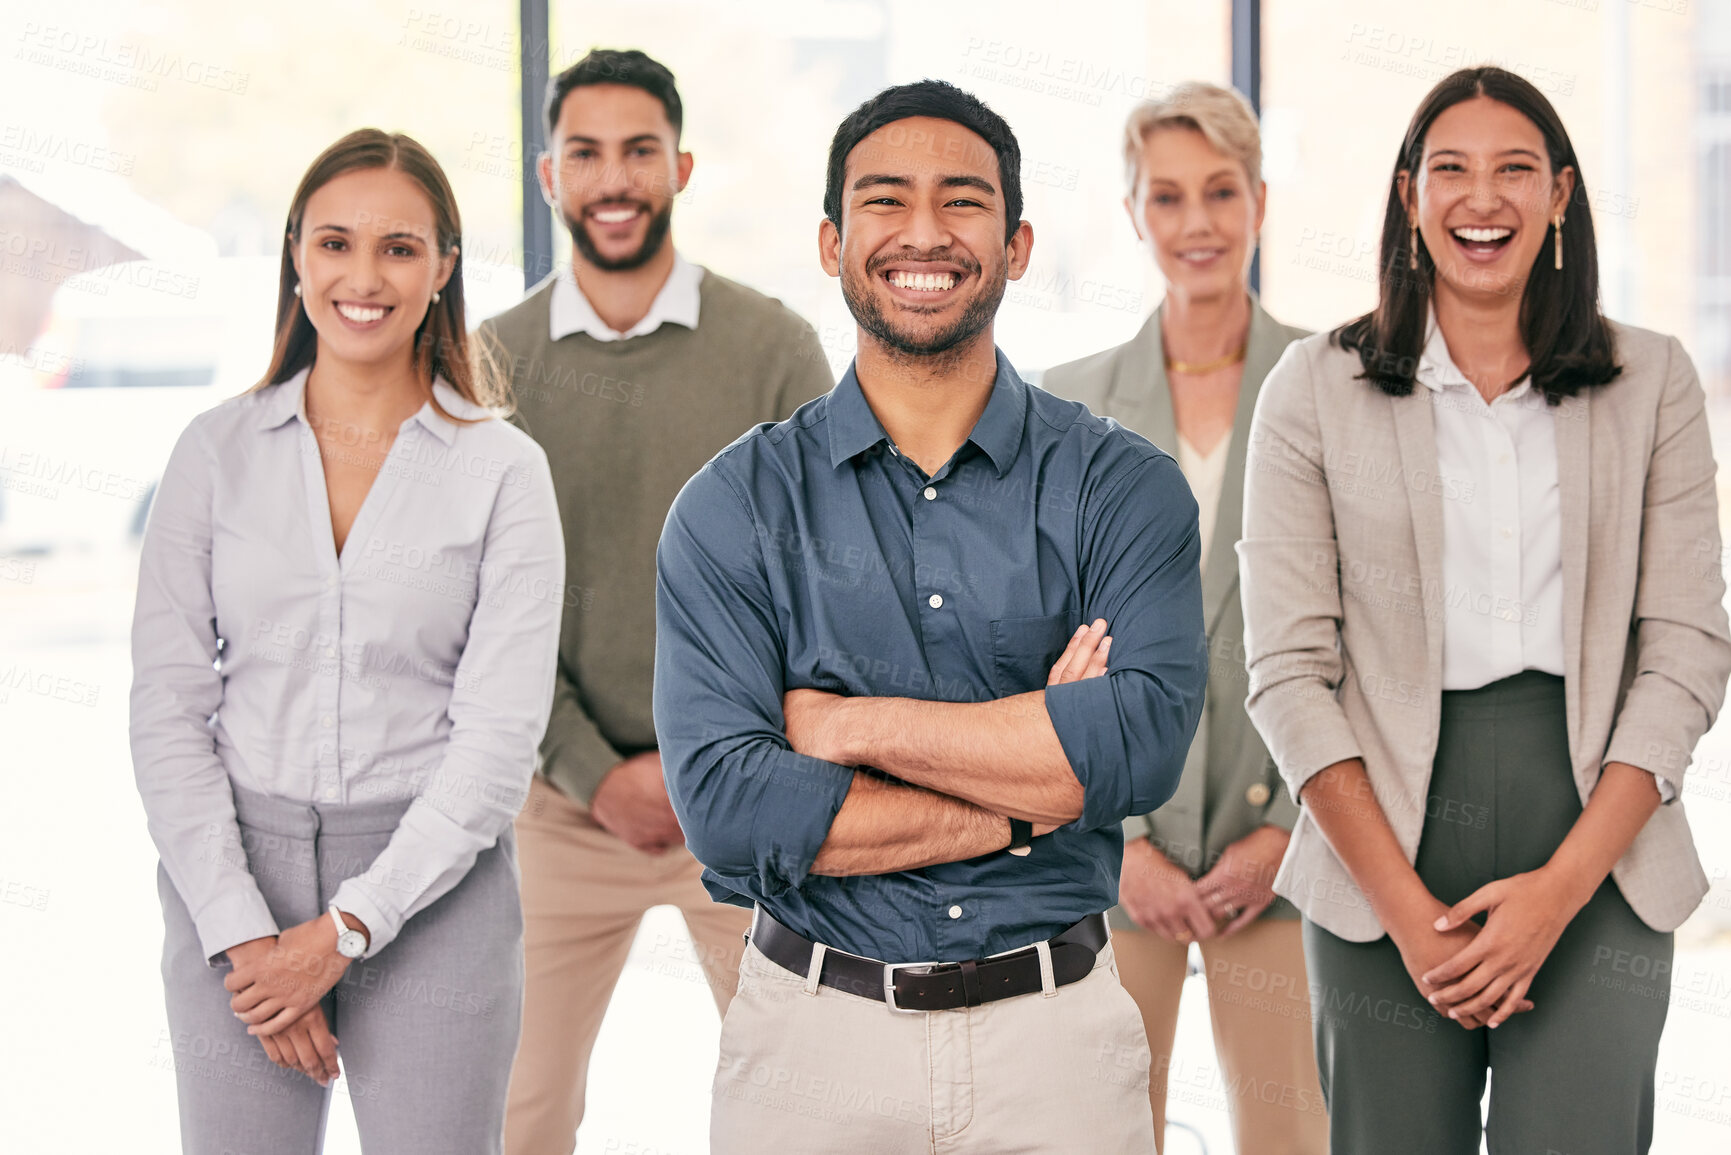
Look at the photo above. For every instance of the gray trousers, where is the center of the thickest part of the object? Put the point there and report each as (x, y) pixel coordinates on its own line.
(426, 1028)
(1573, 1076)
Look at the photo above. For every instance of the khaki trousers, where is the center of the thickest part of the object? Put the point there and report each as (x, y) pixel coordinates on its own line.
(810, 1070)
(1259, 1001)
(584, 893)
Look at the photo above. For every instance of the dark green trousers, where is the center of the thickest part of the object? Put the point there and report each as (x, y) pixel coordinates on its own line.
(1573, 1076)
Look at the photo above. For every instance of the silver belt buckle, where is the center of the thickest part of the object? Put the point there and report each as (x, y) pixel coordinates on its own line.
(890, 970)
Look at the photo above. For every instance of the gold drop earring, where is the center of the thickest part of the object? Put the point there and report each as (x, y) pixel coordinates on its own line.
(1559, 224)
(1412, 252)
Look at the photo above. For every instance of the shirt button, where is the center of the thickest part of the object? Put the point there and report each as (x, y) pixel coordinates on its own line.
(1507, 532)
(955, 912)
(330, 651)
(327, 721)
(331, 581)
(330, 793)
(930, 493)
(936, 601)
(1257, 794)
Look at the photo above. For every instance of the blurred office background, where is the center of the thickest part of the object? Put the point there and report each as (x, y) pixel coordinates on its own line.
(148, 151)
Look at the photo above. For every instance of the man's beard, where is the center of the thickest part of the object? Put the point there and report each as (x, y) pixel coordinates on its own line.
(974, 319)
(660, 221)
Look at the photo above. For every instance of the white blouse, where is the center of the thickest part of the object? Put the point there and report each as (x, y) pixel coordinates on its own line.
(418, 664)
(1206, 474)
(1502, 561)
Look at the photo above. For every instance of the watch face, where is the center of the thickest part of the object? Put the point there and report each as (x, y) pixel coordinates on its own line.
(351, 944)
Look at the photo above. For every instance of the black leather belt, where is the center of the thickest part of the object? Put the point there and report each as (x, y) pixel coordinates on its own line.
(934, 986)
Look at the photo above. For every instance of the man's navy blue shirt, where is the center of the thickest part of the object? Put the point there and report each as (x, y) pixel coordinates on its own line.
(811, 553)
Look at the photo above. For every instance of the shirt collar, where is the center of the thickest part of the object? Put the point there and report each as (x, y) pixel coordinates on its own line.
(288, 399)
(1438, 372)
(452, 402)
(854, 428)
(569, 311)
(284, 400)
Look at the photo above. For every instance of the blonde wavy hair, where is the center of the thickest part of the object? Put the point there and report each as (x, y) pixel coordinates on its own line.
(1223, 117)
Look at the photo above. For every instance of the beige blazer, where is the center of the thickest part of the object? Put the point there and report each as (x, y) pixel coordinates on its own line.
(1340, 566)
(1238, 789)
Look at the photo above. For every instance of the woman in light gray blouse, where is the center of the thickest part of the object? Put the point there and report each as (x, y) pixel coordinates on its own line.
(348, 605)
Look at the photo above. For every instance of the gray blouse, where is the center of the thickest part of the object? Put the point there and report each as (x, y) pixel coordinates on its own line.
(418, 664)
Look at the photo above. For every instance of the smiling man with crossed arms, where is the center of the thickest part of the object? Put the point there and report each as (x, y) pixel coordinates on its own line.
(884, 580)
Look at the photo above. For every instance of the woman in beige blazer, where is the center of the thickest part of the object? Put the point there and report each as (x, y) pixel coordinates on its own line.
(1201, 868)
(1482, 592)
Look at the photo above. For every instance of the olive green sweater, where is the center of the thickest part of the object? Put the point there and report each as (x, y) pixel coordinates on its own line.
(625, 424)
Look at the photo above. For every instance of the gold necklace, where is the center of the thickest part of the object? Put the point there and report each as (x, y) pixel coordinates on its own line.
(1173, 366)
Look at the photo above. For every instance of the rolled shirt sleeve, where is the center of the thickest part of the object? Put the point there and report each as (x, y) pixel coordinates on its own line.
(754, 812)
(500, 700)
(1126, 733)
(813, 553)
(176, 689)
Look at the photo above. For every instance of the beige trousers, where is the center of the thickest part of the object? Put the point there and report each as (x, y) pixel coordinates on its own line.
(810, 1070)
(584, 892)
(1259, 1001)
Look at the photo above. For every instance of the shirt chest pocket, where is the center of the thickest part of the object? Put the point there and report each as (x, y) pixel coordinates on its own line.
(1023, 650)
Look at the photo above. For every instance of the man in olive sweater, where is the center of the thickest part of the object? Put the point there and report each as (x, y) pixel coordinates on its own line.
(632, 369)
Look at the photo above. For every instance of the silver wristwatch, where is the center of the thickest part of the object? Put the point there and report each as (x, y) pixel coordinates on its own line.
(350, 943)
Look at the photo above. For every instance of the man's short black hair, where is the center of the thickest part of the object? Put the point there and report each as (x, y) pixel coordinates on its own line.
(625, 66)
(942, 101)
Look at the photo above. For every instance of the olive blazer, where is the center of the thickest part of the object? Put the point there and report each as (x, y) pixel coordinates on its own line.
(1238, 788)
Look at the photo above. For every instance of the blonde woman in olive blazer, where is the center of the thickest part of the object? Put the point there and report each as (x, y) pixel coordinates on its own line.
(1239, 788)
(1201, 868)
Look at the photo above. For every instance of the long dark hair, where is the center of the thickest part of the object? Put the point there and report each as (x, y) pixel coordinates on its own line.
(1567, 338)
(442, 344)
